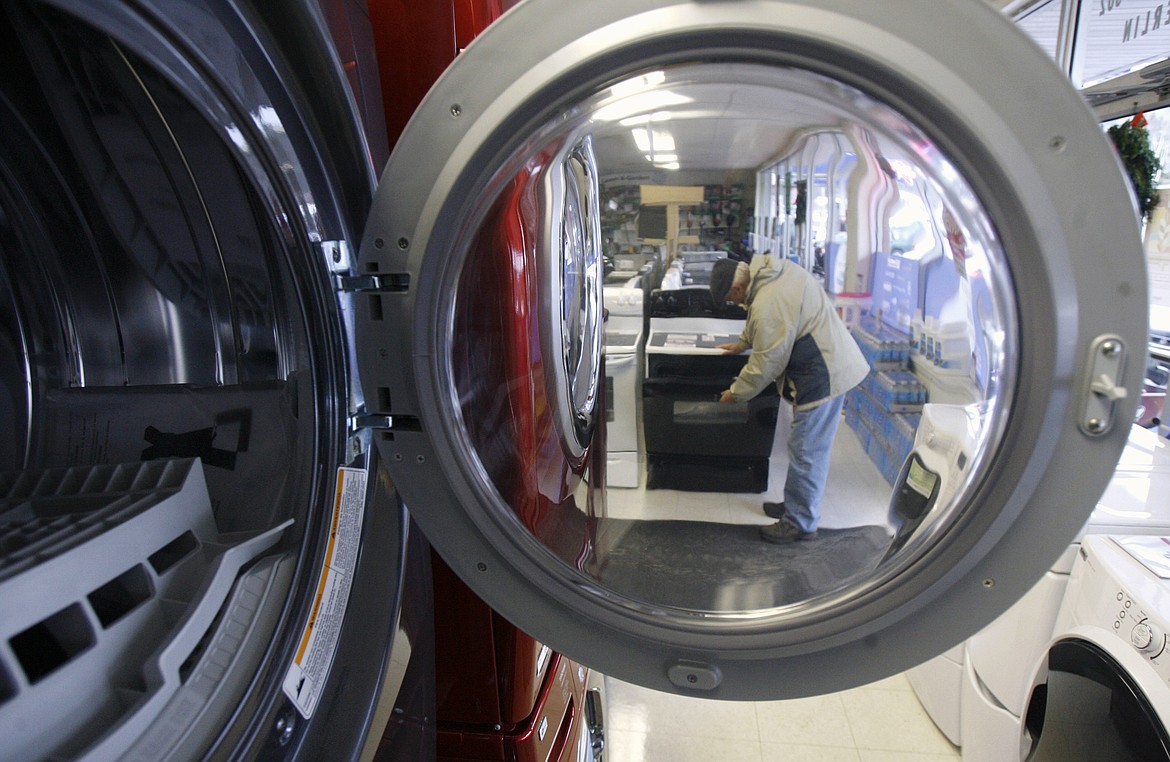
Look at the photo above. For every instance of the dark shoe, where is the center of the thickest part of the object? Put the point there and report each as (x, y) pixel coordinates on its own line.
(774, 510)
(784, 531)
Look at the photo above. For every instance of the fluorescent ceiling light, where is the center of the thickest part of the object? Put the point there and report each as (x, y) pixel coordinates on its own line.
(638, 84)
(639, 104)
(653, 140)
(661, 140)
(641, 139)
(657, 116)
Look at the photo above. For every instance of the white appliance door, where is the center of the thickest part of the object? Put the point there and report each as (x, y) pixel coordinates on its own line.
(622, 429)
(478, 330)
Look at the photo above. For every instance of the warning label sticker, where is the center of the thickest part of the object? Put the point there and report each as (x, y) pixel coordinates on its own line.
(306, 675)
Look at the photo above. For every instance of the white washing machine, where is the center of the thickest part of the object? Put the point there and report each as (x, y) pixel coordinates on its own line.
(624, 345)
(1102, 688)
(977, 691)
(938, 684)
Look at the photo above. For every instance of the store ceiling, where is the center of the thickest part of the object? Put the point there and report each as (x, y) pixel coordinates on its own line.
(720, 125)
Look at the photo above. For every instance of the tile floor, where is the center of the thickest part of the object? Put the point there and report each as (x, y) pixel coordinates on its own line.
(881, 722)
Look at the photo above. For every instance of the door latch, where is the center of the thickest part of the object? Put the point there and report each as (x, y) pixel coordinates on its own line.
(1103, 390)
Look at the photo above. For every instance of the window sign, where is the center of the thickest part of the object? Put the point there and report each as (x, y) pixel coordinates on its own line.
(1043, 25)
(1115, 37)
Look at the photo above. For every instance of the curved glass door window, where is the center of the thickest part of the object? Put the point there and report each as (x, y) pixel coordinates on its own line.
(527, 335)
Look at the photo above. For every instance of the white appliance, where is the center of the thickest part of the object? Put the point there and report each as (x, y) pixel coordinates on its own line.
(1101, 689)
(977, 691)
(938, 684)
(691, 335)
(944, 443)
(624, 345)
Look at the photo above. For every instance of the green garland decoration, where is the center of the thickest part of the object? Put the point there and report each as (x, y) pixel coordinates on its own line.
(1142, 164)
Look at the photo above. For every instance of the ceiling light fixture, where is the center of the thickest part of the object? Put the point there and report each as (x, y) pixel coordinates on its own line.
(657, 116)
(639, 105)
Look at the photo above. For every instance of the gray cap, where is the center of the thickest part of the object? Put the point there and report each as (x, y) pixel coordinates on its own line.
(722, 276)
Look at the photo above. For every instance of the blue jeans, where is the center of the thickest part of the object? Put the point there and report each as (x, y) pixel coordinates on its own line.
(810, 443)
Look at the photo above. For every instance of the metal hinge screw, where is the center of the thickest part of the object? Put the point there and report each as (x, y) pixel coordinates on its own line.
(285, 725)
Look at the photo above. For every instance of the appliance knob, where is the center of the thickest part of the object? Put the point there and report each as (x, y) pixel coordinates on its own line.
(1143, 637)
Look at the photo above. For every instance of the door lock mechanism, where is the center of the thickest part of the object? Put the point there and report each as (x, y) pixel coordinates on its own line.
(1103, 390)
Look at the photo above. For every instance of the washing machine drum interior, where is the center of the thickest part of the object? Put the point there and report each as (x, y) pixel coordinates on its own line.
(148, 331)
(173, 387)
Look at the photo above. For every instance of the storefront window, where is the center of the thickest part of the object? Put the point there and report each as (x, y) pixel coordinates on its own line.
(1157, 228)
(1158, 127)
(1115, 38)
(1042, 24)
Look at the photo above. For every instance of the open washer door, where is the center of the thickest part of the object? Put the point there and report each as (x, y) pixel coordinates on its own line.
(479, 321)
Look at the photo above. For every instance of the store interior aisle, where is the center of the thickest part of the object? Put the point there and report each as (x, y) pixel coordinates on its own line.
(880, 722)
(856, 494)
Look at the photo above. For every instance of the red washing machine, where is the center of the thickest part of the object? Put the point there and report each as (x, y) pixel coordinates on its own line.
(252, 371)
(501, 694)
